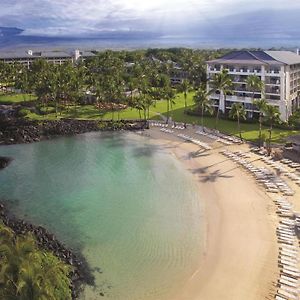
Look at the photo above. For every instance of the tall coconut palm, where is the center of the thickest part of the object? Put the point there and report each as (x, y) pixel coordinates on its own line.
(203, 102)
(223, 84)
(272, 116)
(184, 88)
(260, 104)
(238, 112)
(166, 92)
(254, 84)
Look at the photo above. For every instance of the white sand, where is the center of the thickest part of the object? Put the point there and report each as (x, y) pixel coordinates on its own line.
(240, 257)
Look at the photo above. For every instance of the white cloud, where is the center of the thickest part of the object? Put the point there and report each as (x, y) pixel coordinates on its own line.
(67, 17)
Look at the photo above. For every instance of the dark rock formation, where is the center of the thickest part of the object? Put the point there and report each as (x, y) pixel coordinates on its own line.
(18, 131)
(4, 162)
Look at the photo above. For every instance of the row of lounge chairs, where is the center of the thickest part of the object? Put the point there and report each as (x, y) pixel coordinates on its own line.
(233, 139)
(271, 182)
(288, 260)
(222, 138)
(164, 125)
(286, 161)
(158, 124)
(290, 163)
(214, 137)
(281, 168)
(180, 127)
(195, 141)
(166, 130)
(260, 151)
(188, 138)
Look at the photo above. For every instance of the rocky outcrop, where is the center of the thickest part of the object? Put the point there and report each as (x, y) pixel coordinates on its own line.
(18, 131)
(4, 162)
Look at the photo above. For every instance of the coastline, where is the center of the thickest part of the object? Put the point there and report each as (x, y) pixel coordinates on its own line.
(239, 260)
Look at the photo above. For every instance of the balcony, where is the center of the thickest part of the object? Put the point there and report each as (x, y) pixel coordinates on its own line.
(238, 98)
(244, 71)
(272, 91)
(273, 72)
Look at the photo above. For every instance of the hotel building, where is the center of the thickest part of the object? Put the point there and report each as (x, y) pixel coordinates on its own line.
(56, 57)
(279, 71)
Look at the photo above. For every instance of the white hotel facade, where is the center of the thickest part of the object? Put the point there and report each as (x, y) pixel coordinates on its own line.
(279, 70)
(26, 57)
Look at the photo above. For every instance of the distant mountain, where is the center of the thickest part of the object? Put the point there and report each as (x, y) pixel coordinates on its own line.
(10, 31)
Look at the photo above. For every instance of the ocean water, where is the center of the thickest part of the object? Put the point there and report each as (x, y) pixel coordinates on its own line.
(20, 42)
(126, 204)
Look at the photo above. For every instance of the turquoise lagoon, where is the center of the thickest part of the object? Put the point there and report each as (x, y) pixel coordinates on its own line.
(128, 205)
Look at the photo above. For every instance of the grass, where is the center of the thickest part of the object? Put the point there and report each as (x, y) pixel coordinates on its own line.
(250, 132)
(16, 98)
(89, 112)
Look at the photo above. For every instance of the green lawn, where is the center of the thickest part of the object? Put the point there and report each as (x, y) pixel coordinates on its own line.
(16, 98)
(89, 112)
(249, 131)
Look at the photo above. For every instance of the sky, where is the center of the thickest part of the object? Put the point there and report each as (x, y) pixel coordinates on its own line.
(220, 19)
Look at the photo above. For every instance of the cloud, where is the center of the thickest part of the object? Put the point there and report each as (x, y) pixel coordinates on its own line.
(165, 17)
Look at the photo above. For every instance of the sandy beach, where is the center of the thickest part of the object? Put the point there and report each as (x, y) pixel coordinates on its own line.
(240, 256)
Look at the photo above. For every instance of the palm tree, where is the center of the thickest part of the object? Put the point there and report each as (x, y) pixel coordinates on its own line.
(254, 84)
(260, 104)
(272, 116)
(27, 272)
(169, 95)
(184, 88)
(13, 253)
(166, 92)
(238, 112)
(203, 102)
(223, 84)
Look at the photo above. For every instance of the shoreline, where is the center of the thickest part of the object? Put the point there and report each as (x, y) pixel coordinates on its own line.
(239, 260)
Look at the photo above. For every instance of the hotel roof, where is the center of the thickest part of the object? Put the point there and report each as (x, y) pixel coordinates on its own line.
(259, 57)
(19, 54)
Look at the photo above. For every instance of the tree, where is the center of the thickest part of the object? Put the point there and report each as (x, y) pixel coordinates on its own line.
(260, 104)
(169, 95)
(203, 103)
(254, 84)
(166, 92)
(221, 83)
(184, 88)
(29, 273)
(238, 112)
(272, 116)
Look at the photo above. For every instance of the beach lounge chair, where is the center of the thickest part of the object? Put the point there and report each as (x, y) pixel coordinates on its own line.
(286, 294)
(288, 283)
(290, 279)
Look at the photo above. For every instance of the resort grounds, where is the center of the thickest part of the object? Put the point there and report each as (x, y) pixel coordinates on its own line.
(158, 111)
(243, 251)
(242, 258)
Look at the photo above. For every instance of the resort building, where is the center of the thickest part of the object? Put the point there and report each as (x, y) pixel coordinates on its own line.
(279, 71)
(26, 57)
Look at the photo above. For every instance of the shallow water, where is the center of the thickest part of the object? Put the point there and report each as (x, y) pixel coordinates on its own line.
(127, 204)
